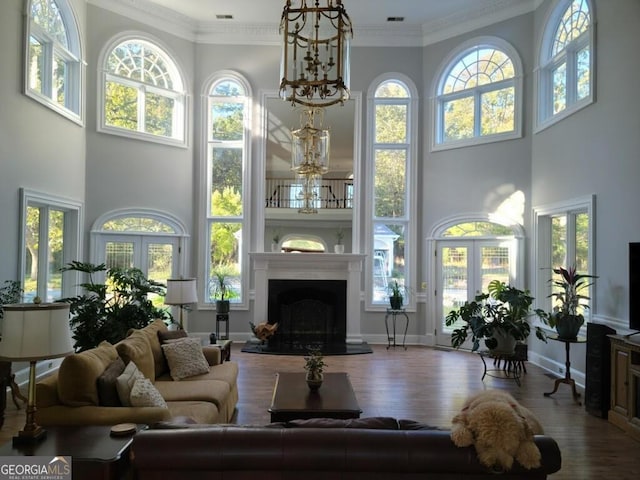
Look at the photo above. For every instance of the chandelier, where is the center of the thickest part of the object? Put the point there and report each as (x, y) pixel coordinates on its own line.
(310, 157)
(315, 55)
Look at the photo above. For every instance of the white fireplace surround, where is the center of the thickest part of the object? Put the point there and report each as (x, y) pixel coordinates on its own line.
(310, 266)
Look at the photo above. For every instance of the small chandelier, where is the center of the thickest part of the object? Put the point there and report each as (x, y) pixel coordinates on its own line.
(310, 157)
(315, 55)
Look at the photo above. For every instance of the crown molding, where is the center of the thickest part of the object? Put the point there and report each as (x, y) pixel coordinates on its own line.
(393, 35)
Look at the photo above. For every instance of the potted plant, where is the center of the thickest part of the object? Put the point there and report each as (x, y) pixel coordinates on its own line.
(566, 316)
(501, 314)
(275, 241)
(107, 311)
(314, 365)
(10, 293)
(396, 297)
(339, 247)
(221, 288)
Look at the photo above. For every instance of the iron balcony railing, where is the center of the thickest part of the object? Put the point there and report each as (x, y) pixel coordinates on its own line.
(331, 193)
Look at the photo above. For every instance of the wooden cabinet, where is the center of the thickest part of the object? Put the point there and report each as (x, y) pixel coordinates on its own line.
(625, 385)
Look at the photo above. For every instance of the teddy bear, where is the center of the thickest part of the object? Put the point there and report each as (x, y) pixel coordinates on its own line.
(500, 429)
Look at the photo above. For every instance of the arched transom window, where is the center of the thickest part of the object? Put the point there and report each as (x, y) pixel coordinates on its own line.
(143, 92)
(478, 95)
(566, 61)
(54, 58)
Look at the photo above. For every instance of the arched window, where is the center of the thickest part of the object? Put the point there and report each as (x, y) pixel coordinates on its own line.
(566, 61)
(142, 92)
(478, 96)
(53, 58)
(392, 153)
(226, 199)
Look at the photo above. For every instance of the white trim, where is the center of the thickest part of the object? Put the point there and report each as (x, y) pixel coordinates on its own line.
(452, 58)
(178, 75)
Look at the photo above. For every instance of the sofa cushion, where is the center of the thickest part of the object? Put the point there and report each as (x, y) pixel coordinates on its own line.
(151, 331)
(135, 348)
(185, 358)
(144, 394)
(211, 391)
(125, 382)
(79, 372)
(413, 425)
(225, 372)
(165, 336)
(371, 423)
(107, 391)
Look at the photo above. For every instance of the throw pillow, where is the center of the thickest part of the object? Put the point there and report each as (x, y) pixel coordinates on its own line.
(125, 382)
(166, 336)
(185, 358)
(144, 394)
(107, 390)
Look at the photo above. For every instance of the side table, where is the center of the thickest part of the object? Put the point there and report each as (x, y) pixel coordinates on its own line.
(512, 364)
(392, 338)
(567, 372)
(222, 318)
(225, 349)
(94, 452)
(7, 379)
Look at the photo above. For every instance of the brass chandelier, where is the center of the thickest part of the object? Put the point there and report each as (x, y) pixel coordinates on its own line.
(315, 74)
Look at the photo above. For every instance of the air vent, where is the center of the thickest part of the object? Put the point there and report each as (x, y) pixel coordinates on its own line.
(395, 19)
(224, 17)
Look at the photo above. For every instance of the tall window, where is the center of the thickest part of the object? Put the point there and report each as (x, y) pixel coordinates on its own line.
(565, 76)
(565, 239)
(53, 61)
(392, 157)
(478, 95)
(226, 194)
(142, 92)
(50, 230)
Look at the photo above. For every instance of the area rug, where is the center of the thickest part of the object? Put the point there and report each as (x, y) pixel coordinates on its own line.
(348, 349)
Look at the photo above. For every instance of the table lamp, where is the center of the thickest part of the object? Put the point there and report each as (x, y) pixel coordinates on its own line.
(181, 292)
(33, 332)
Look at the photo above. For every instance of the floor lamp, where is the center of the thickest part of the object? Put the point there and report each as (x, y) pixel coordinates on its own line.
(181, 292)
(33, 332)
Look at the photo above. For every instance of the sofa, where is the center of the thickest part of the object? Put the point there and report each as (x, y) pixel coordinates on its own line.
(367, 448)
(89, 388)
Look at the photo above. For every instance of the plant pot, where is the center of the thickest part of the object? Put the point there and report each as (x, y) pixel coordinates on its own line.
(395, 302)
(505, 342)
(222, 306)
(338, 248)
(568, 326)
(314, 381)
(275, 247)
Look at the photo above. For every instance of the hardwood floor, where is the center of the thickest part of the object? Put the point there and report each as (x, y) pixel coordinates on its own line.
(430, 385)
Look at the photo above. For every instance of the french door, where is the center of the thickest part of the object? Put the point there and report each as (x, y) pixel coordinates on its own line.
(464, 268)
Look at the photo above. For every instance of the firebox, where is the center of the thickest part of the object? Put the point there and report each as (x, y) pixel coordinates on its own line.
(310, 314)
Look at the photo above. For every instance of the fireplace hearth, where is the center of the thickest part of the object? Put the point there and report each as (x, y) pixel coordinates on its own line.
(311, 314)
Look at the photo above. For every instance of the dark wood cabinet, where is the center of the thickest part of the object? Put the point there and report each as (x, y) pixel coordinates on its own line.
(625, 385)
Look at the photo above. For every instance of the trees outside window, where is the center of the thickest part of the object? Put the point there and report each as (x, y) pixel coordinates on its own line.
(143, 92)
(478, 96)
(53, 57)
(226, 198)
(566, 61)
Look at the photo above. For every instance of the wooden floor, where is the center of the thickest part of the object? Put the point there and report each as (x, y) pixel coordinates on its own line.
(429, 385)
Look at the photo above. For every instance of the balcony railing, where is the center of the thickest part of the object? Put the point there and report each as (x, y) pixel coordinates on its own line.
(331, 193)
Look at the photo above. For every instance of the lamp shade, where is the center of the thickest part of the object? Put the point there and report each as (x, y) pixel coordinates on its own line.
(33, 332)
(181, 291)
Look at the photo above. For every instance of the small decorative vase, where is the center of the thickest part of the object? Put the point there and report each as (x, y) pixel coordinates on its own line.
(338, 248)
(275, 247)
(314, 380)
(568, 326)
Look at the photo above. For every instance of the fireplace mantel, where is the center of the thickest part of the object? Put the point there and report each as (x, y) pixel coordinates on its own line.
(310, 266)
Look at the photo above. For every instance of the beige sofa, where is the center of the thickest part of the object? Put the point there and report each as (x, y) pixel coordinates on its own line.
(72, 395)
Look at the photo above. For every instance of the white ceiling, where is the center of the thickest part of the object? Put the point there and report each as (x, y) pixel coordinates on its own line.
(256, 21)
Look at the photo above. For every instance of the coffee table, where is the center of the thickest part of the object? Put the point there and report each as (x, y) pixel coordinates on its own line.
(94, 452)
(292, 398)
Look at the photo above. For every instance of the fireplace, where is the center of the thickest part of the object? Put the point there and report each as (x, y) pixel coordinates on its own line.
(310, 314)
(302, 267)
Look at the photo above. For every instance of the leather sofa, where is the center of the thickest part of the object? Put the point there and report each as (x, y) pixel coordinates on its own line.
(71, 396)
(369, 448)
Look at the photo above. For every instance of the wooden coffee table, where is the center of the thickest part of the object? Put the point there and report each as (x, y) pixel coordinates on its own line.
(292, 398)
